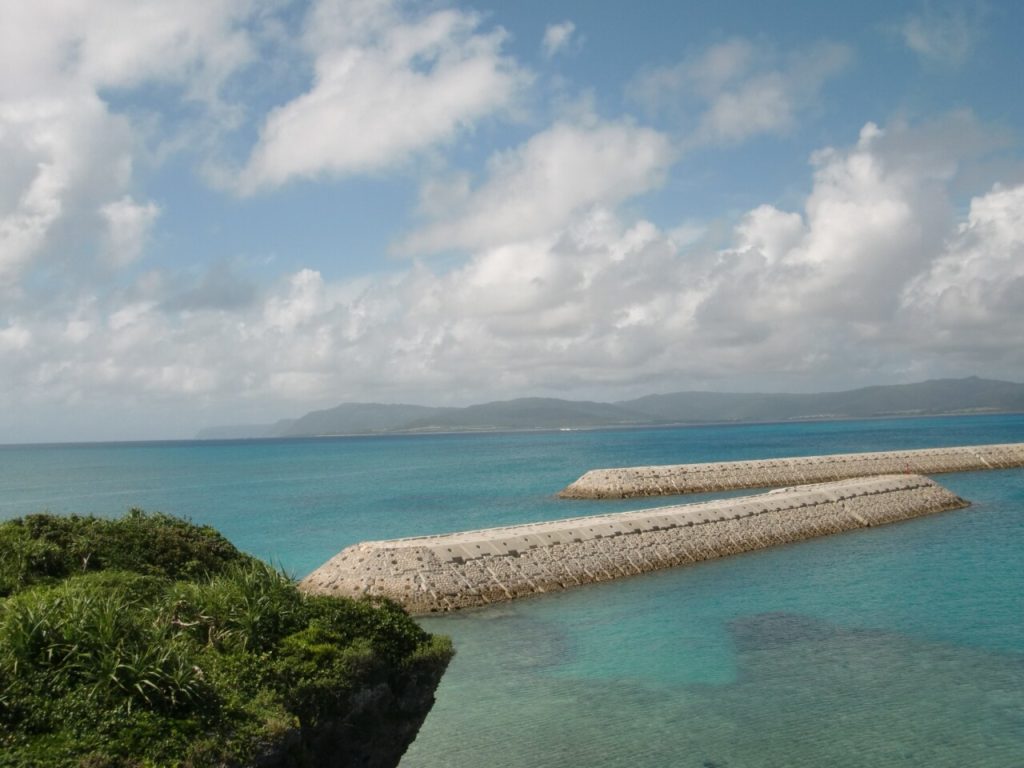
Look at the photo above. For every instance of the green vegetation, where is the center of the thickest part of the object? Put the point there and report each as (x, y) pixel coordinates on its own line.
(149, 641)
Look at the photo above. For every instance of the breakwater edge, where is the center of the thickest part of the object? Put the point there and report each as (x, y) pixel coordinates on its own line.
(449, 572)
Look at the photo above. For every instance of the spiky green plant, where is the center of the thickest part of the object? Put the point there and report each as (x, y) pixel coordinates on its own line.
(192, 654)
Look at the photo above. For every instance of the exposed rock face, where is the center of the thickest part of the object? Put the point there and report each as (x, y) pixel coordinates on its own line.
(474, 568)
(627, 482)
(381, 724)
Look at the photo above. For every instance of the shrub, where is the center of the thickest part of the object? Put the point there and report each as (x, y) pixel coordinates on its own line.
(387, 626)
(45, 548)
(95, 643)
(247, 607)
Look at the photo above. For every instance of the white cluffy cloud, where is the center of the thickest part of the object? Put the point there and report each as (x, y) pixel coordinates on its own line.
(559, 38)
(875, 273)
(741, 89)
(53, 44)
(66, 154)
(385, 86)
(969, 300)
(536, 188)
(128, 225)
(945, 35)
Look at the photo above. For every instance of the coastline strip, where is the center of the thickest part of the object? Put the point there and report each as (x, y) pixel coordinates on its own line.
(630, 482)
(430, 574)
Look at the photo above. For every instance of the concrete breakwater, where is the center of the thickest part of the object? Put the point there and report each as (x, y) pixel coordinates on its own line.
(628, 482)
(474, 568)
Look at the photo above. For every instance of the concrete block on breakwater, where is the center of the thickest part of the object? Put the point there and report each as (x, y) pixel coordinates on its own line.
(474, 568)
(628, 482)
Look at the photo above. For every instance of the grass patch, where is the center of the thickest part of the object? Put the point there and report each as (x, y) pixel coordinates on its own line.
(149, 641)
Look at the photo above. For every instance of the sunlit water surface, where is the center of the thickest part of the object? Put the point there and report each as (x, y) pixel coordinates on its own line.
(894, 646)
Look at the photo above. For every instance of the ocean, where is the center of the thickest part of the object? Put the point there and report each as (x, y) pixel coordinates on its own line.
(893, 646)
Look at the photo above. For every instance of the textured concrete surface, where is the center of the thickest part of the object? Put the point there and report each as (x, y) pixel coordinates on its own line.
(474, 568)
(628, 482)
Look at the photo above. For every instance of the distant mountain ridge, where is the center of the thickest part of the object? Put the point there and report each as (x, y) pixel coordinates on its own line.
(933, 397)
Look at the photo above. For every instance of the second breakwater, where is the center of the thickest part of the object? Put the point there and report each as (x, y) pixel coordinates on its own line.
(711, 477)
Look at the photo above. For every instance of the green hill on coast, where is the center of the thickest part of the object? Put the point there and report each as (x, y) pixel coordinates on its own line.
(149, 641)
(935, 397)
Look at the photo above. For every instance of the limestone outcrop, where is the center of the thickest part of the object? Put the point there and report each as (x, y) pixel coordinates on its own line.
(474, 568)
(628, 482)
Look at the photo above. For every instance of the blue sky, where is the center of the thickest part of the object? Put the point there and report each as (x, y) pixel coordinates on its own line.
(231, 211)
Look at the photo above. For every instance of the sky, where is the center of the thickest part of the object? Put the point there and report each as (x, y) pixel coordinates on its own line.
(235, 211)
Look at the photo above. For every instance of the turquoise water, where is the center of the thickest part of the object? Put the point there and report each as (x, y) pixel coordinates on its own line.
(896, 646)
